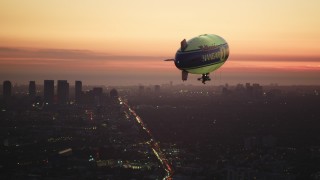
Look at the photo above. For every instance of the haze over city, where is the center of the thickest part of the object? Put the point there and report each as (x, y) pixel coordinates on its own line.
(125, 42)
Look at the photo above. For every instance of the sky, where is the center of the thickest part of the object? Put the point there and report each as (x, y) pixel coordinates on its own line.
(120, 42)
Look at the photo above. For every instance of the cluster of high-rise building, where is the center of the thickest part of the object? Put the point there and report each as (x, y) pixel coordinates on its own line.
(62, 92)
(59, 93)
(62, 95)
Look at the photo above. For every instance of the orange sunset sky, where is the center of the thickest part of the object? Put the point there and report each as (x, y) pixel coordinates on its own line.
(119, 42)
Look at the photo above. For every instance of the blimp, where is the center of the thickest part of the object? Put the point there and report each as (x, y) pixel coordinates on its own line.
(201, 55)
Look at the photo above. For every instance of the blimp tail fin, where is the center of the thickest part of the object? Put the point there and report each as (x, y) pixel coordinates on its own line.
(184, 44)
(184, 75)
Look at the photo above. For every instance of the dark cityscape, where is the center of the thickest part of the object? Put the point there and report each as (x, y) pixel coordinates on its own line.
(56, 130)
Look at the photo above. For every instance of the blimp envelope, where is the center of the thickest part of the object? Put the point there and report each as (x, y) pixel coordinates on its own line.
(201, 55)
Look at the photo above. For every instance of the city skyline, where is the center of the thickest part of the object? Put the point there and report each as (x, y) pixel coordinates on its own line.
(183, 132)
(125, 43)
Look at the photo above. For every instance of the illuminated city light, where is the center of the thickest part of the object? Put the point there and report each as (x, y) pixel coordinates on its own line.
(154, 145)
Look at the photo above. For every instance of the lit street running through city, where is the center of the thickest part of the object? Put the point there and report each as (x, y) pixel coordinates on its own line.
(152, 143)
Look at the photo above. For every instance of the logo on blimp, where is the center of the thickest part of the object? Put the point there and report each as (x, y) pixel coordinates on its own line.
(221, 54)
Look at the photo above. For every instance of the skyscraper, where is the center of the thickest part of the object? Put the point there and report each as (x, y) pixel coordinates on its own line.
(114, 93)
(32, 88)
(63, 91)
(97, 95)
(48, 92)
(78, 91)
(7, 89)
(141, 89)
(157, 88)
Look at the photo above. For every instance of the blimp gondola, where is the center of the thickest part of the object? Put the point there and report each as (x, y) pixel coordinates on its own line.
(201, 55)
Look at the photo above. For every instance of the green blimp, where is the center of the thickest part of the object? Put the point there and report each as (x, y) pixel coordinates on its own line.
(201, 55)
